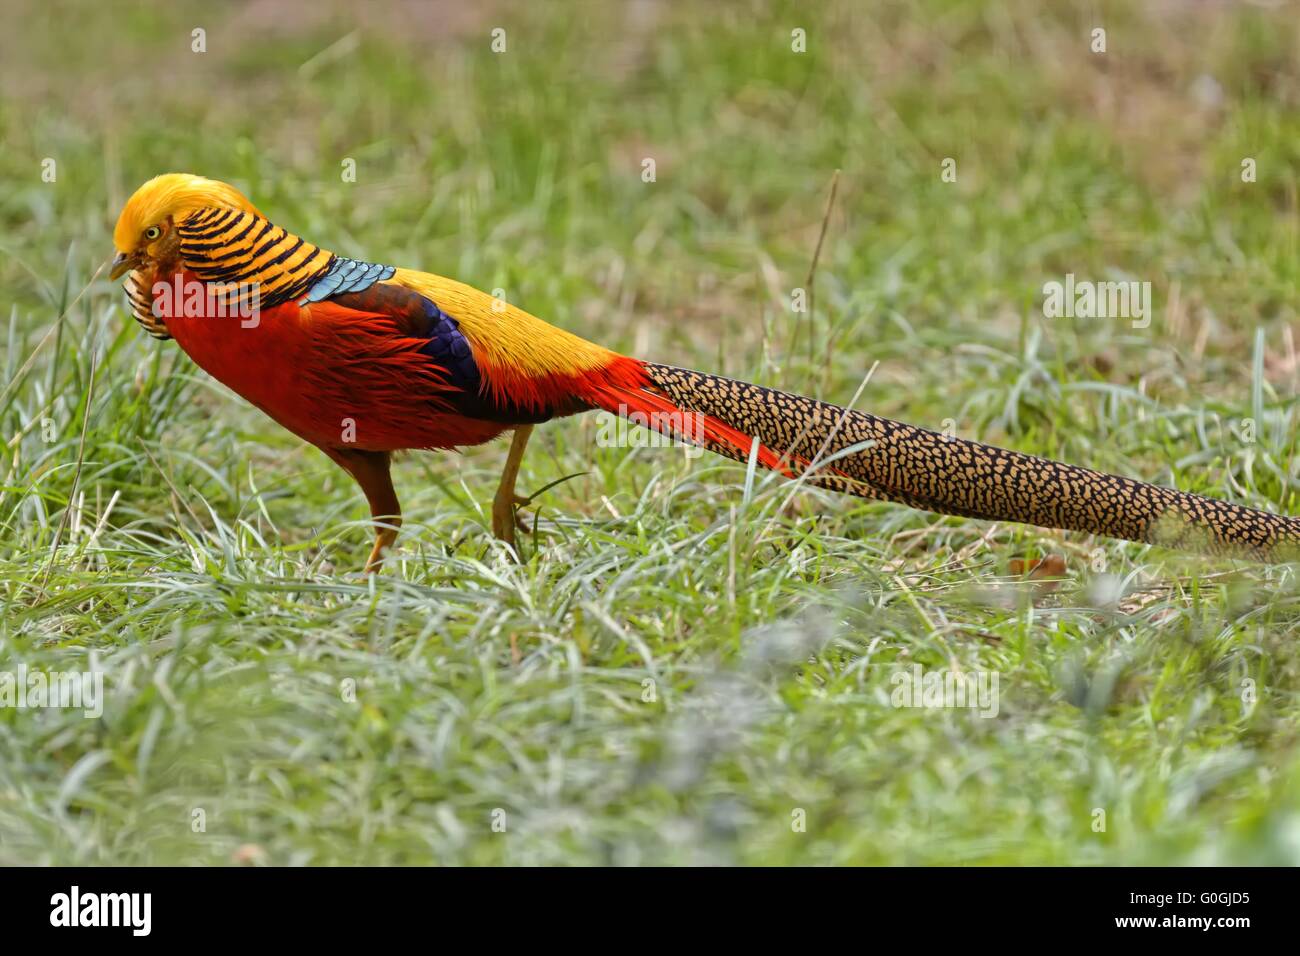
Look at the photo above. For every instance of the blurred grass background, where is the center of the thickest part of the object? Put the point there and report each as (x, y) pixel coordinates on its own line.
(678, 668)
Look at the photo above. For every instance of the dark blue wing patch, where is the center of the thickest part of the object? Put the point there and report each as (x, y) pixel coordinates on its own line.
(449, 348)
(346, 275)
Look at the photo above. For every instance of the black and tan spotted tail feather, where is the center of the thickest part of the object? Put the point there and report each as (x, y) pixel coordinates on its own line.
(949, 475)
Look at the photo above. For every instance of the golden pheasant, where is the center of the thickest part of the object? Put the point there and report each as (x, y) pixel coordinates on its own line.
(362, 360)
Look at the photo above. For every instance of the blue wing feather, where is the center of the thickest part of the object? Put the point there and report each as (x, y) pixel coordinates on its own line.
(346, 275)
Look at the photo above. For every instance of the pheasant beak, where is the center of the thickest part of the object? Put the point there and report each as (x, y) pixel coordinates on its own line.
(122, 264)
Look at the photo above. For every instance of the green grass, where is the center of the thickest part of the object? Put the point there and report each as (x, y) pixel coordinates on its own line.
(679, 665)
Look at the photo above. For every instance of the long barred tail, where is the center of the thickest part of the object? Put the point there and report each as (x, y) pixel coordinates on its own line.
(933, 472)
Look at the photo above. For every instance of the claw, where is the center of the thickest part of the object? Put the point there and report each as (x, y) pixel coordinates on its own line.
(504, 520)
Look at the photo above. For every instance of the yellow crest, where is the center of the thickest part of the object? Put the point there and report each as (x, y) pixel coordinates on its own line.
(172, 194)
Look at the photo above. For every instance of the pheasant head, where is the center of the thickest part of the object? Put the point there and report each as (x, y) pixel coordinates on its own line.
(146, 236)
(180, 223)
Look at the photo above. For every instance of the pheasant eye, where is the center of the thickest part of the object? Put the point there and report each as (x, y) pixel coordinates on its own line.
(153, 232)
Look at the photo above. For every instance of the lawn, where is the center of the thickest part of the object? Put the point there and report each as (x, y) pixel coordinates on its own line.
(691, 663)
